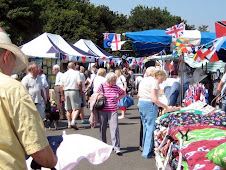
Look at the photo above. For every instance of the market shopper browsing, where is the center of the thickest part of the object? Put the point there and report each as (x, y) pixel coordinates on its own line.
(148, 108)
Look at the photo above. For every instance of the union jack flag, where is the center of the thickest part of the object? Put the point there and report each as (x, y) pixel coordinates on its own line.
(176, 31)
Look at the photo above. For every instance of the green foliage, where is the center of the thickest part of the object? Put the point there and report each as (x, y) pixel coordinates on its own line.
(20, 19)
(203, 28)
(145, 18)
(76, 19)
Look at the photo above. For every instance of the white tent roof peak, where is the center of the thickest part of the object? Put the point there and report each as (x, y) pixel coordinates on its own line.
(91, 48)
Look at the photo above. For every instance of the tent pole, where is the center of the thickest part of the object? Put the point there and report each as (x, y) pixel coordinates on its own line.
(182, 79)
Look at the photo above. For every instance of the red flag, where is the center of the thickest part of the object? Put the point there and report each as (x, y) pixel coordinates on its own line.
(220, 27)
(201, 53)
(111, 63)
(171, 66)
(214, 58)
(103, 58)
(83, 59)
(135, 61)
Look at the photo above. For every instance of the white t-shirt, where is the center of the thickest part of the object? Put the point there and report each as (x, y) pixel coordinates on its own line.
(138, 80)
(146, 86)
(121, 81)
(70, 79)
(97, 82)
(33, 86)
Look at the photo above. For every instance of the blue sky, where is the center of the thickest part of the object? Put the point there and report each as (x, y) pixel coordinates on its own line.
(196, 12)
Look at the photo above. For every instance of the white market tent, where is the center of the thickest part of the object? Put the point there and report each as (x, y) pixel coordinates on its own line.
(50, 45)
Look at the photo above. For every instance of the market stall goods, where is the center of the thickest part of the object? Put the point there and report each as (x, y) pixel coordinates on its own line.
(191, 139)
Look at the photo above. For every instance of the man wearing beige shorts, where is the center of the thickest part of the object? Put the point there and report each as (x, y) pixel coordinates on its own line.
(71, 90)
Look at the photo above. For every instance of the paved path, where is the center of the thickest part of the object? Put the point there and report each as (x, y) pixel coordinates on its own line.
(129, 140)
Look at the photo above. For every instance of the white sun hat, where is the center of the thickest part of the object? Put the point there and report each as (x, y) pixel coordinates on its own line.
(21, 58)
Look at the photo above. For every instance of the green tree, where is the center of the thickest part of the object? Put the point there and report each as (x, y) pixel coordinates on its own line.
(203, 28)
(20, 19)
(145, 18)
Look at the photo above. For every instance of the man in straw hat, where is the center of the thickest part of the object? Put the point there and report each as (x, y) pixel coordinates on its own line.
(21, 127)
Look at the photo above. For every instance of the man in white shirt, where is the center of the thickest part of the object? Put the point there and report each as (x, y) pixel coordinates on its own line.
(34, 86)
(71, 91)
(60, 104)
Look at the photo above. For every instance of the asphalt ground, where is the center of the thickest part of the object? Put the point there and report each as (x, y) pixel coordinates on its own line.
(129, 129)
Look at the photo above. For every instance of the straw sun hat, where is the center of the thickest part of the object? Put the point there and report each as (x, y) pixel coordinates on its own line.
(21, 59)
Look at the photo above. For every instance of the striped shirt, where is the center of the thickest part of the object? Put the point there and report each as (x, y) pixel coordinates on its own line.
(112, 94)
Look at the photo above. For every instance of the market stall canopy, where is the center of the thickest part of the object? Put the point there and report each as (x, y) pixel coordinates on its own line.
(50, 45)
(153, 41)
(188, 58)
(89, 47)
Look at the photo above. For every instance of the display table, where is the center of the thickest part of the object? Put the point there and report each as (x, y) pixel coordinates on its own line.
(189, 138)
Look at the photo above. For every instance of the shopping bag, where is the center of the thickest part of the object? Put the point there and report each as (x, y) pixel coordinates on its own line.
(122, 102)
(130, 101)
(126, 101)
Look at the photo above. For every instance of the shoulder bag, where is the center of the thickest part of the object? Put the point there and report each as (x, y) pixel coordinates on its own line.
(101, 102)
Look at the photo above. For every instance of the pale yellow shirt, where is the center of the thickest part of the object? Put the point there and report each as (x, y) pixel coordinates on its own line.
(21, 127)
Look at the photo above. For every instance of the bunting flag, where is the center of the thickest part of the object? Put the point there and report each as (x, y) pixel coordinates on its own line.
(83, 59)
(145, 60)
(171, 66)
(135, 61)
(111, 62)
(90, 58)
(77, 58)
(108, 38)
(126, 64)
(201, 54)
(176, 31)
(212, 56)
(179, 47)
(116, 43)
(64, 57)
(209, 51)
(198, 56)
(103, 58)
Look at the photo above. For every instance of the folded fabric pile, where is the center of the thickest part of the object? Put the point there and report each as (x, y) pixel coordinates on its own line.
(204, 138)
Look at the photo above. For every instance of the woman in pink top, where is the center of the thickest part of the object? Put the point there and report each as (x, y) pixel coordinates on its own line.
(109, 114)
